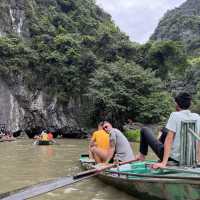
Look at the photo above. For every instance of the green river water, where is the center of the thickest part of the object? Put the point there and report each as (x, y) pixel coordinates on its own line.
(24, 164)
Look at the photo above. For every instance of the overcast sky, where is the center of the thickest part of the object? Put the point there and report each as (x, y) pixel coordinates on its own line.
(138, 18)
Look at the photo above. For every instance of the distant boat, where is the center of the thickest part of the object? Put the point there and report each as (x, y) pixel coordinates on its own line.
(139, 180)
(32, 132)
(44, 142)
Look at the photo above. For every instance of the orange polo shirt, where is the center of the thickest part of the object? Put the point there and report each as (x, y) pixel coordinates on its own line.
(101, 138)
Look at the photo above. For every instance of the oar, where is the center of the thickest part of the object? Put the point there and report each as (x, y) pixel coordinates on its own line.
(44, 187)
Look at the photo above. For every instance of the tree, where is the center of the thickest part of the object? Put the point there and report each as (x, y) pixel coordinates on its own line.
(163, 57)
(122, 90)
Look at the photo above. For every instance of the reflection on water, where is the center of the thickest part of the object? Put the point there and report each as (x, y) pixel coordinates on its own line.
(23, 164)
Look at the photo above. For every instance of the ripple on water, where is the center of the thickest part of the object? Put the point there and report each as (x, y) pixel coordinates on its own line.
(52, 194)
(69, 190)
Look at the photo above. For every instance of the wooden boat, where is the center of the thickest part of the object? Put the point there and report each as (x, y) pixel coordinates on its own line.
(139, 180)
(44, 142)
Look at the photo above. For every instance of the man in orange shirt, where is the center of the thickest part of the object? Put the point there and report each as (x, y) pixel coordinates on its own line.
(99, 145)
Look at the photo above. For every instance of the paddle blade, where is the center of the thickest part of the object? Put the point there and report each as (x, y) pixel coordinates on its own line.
(39, 189)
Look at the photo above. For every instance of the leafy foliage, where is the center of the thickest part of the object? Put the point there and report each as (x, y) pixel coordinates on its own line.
(124, 89)
(196, 105)
(65, 42)
(163, 57)
(181, 24)
(15, 57)
(133, 135)
(71, 48)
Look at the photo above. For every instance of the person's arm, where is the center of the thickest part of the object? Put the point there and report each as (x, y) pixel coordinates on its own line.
(111, 151)
(92, 140)
(167, 149)
(91, 144)
(112, 145)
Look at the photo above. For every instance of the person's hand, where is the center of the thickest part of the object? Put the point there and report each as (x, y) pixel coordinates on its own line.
(158, 165)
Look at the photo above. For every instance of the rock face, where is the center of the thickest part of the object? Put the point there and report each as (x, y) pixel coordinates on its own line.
(20, 107)
(188, 83)
(23, 109)
(12, 17)
(49, 51)
(181, 24)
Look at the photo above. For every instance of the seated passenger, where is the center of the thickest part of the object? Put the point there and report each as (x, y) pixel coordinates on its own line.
(50, 136)
(99, 144)
(168, 147)
(120, 148)
(44, 136)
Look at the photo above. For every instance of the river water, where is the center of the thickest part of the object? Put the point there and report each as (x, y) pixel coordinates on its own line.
(23, 164)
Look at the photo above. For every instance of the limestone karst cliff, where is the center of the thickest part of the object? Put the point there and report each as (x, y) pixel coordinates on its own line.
(181, 24)
(48, 50)
(64, 63)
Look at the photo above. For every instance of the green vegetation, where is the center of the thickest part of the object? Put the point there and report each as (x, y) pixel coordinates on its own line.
(72, 49)
(196, 105)
(193, 74)
(181, 24)
(15, 58)
(122, 89)
(133, 135)
(163, 57)
(67, 41)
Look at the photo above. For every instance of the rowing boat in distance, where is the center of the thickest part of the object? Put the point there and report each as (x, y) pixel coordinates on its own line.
(139, 180)
(44, 142)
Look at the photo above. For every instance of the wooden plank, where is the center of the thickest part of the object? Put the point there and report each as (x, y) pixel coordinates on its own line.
(184, 170)
(156, 176)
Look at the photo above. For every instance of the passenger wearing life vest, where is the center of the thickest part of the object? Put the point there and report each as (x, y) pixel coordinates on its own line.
(50, 136)
(99, 142)
(44, 136)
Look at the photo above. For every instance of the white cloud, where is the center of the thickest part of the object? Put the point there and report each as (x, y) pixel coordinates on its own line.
(137, 18)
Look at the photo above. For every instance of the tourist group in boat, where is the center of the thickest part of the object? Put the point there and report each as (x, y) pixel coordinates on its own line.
(45, 138)
(108, 144)
(6, 135)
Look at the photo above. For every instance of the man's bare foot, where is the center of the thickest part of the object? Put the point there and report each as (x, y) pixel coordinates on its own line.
(140, 157)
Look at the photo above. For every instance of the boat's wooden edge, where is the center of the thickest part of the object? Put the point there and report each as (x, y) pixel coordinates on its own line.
(89, 165)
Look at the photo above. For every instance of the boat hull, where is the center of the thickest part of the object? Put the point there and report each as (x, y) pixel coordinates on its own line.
(153, 188)
(44, 142)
